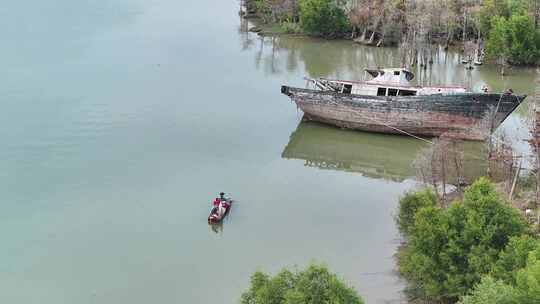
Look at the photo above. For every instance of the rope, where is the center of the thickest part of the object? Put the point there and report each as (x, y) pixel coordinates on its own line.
(495, 113)
(492, 136)
(401, 131)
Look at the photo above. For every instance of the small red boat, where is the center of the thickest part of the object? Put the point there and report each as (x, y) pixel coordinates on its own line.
(219, 211)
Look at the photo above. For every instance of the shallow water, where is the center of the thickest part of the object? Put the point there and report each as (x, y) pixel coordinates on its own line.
(122, 120)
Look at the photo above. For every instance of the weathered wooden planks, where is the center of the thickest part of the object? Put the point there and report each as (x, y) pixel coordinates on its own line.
(460, 115)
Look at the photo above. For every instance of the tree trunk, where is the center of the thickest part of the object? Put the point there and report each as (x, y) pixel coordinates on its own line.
(457, 165)
(364, 34)
(443, 177)
(434, 175)
(372, 37)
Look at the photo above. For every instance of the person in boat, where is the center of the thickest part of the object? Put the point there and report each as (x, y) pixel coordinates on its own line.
(219, 205)
(224, 200)
(215, 205)
(214, 210)
(223, 204)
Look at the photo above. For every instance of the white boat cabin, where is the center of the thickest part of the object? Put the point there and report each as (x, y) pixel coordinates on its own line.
(385, 82)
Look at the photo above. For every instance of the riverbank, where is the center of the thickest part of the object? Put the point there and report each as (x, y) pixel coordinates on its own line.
(261, 28)
(322, 19)
(399, 24)
(486, 233)
(275, 29)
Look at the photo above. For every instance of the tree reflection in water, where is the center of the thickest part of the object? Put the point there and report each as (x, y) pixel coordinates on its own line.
(344, 59)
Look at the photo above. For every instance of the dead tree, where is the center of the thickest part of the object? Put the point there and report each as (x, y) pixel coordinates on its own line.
(416, 44)
(502, 160)
(468, 51)
(440, 165)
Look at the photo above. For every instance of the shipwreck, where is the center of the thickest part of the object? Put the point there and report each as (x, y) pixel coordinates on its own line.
(389, 103)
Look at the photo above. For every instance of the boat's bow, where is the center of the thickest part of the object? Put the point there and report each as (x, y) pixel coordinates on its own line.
(286, 90)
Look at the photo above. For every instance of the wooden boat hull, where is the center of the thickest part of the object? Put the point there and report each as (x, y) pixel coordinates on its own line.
(461, 115)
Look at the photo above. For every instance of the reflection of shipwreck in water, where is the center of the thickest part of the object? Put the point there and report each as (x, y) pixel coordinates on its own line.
(373, 155)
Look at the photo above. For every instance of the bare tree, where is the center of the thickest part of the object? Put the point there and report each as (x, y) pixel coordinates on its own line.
(440, 165)
(502, 160)
(359, 16)
(417, 43)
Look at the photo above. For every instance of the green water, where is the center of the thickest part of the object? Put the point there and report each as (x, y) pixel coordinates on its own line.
(120, 122)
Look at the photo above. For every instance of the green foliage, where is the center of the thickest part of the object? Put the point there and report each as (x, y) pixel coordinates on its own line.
(517, 7)
(514, 257)
(528, 280)
(514, 39)
(497, 42)
(261, 8)
(512, 36)
(523, 39)
(492, 9)
(490, 291)
(290, 27)
(500, 8)
(314, 285)
(449, 250)
(274, 11)
(322, 18)
(410, 204)
(524, 289)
